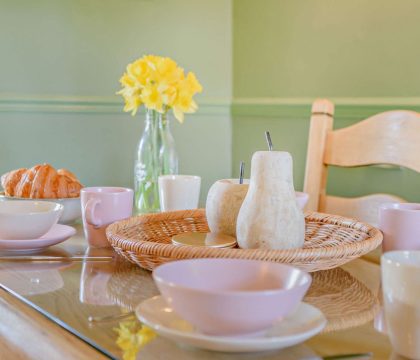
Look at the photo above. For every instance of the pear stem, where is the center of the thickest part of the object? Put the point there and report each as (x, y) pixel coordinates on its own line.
(269, 142)
(241, 172)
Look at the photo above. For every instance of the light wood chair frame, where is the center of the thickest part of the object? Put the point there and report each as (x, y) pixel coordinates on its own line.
(388, 138)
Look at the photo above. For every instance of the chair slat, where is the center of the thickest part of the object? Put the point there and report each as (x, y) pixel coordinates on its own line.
(391, 137)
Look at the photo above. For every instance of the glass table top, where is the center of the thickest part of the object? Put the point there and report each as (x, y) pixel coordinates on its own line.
(71, 292)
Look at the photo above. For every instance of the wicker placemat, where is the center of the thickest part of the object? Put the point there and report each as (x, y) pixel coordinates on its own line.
(330, 241)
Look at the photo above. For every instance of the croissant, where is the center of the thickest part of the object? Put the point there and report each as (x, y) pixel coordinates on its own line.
(41, 182)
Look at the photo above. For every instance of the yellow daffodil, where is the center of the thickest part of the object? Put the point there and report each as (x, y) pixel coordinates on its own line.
(184, 104)
(127, 81)
(169, 72)
(160, 84)
(132, 337)
(132, 104)
(139, 72)
(193, 83)
(169, 96)
(152, 98)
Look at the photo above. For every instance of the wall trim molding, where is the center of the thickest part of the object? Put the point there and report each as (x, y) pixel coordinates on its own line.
(90, 104)
(346, 107)
(414, 101)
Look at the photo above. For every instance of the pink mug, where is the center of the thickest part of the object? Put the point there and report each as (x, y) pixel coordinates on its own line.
(400, 225)
(102, 206)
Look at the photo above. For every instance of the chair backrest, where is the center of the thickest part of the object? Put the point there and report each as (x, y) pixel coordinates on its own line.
(388, 138)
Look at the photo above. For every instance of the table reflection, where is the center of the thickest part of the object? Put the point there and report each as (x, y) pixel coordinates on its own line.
(94, 279)
(395, 356)
(161, 349)
(31, 282)
(28, 279)
(129, 285)
(71, 292)
(344, 300)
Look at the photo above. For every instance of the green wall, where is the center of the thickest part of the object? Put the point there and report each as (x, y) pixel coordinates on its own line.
(61, 60)
(326, 48)
(81, 47)
(361, 54)
(60, 65)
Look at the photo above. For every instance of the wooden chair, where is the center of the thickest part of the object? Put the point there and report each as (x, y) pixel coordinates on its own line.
(391, 138)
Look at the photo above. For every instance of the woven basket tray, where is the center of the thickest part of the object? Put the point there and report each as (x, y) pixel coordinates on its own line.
(330, 241)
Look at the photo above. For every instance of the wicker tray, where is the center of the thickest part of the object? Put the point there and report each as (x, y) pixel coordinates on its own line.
(330, 241)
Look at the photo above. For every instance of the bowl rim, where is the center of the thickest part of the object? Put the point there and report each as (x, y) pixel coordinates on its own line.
(3, 195)
(307, 277)
(56, 208)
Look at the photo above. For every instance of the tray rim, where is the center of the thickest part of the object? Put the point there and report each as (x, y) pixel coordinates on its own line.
(321, 253)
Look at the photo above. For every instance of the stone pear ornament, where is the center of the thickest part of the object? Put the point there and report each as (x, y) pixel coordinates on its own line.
(269, 217)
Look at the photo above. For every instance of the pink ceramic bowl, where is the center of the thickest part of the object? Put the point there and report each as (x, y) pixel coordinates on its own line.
(231, 296)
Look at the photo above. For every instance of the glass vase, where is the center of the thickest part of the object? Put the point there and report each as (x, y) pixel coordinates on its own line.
(156, 155)
(168, 157)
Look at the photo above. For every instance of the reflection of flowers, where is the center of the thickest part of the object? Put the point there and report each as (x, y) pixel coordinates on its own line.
(132, 336)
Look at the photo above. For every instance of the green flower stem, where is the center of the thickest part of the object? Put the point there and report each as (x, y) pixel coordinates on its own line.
(156, 156)
(146, 171)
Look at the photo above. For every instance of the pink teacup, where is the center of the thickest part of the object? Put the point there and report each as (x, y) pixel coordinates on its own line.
(400, 224)
(102, 206)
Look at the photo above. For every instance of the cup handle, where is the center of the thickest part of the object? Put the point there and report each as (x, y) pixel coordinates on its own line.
(90, 207)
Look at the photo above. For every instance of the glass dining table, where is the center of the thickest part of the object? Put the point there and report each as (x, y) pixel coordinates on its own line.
(94, 301)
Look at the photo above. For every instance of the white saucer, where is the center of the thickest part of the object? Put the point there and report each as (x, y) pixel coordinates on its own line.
(306, 322)
(57, 234)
